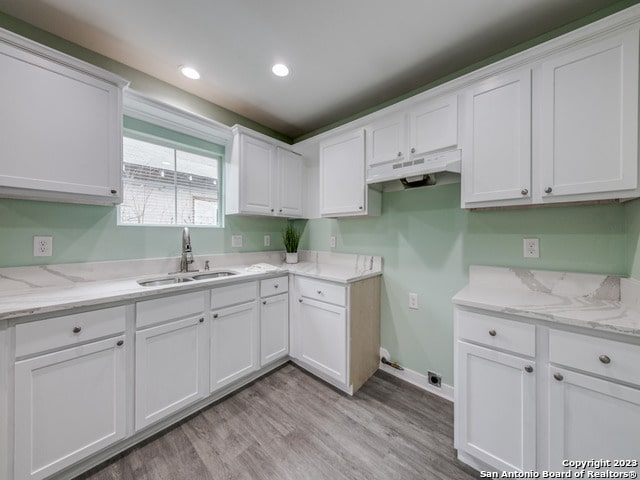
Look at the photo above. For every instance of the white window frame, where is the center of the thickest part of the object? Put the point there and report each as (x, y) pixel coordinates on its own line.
(140, 107)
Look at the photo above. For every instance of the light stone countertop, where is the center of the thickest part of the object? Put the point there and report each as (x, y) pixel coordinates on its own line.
(40, 290)
(599, 302)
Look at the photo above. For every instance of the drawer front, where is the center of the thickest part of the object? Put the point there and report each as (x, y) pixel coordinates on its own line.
(160, 310)
(322, 291)
(274, 286)
(233, 294)
(35, 337)
(509, 335)
(611, 359)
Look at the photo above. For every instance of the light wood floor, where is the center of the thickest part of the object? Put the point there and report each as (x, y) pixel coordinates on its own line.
(289, 425)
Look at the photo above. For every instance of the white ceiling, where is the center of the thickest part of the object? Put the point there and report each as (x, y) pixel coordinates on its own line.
(345, 55)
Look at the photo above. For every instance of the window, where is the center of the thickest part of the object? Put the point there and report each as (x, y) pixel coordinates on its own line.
(169, 178)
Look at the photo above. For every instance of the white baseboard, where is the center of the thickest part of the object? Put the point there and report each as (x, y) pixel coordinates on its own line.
(420, 381)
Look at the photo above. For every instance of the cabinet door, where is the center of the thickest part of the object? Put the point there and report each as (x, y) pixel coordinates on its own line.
(290, 168)
(496, 159)
(497, 405)
(61, 130)
(256, 164)
(386, 140)
(433, 125)
(591, 418)
(68, 405)
(323, 338)
(342, 182)
(274, 328)
(589, 119)
(234, 344)
(171, 368)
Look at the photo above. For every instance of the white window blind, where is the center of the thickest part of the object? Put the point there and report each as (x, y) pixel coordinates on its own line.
(166, 182)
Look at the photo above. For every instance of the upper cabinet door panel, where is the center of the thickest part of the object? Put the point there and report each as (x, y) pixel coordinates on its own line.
(290, 179)
(62, 128)
(255, 182)
(589, 122)
(433, 125)
(342, 180)
(386, 140)
(497, 142)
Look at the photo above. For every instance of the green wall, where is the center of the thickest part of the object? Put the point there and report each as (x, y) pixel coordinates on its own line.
(632, 211)
(428, 242)
(88, 233)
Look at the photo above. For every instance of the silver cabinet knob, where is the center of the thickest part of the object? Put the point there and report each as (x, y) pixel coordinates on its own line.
(319, 292)
(275, 286)
(120, 343)
(113, 191)
(201, 320)
(413, 150)
(558, 376)
(77, 329)
(360, 207)
(264, 302)
(548, 190)
(300, 300)
(215, 315)
(528, 369)
(524, 191)
(399, 154)
(493, 333)
(604, 359)
(272, 209)
(280, 210)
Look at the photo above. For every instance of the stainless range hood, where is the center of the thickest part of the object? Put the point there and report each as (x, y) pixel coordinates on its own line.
(447, 161)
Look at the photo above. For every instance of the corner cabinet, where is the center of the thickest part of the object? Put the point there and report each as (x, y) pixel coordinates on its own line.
(263, 178)
(61, 123)
(343, 189)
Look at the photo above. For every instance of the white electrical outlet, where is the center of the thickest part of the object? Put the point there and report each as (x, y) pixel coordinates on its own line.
(267, 240)
(413, 300)
(42, 246)
(236, 241)
(531, 248)
(332, 241)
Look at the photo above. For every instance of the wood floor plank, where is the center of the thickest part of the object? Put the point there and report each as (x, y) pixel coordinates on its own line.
(289, 425)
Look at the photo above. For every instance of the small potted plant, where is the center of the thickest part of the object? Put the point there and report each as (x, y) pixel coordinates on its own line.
(291, 239)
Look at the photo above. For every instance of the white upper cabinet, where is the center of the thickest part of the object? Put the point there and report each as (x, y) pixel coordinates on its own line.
(61, 124)
(589, 120)
(386, 140)
(343, 190)
(496, 164)
(433, 125)
(262, 178)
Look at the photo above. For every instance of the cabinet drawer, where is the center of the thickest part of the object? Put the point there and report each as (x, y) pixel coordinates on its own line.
(322, 291)
(34, 337)
(616, 360)
(233, 294)
(273, 286)
(161, 310)
(509, 335)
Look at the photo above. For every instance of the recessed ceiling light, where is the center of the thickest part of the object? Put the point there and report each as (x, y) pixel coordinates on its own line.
(280, 69)
(190, 72)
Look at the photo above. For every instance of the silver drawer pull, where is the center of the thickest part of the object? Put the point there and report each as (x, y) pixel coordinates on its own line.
(201, 320)
(120, 343)
(300, 300)
(558, 376)
(77, 329)
(528, 369)
(264, 302)
(319, 292)
(275, 286)
(215, 315)
(604, 359)
(492, 333)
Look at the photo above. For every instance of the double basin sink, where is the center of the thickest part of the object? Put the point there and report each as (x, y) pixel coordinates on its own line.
(155, 282)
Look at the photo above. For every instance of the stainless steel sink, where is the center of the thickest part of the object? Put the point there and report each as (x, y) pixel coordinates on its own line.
(155, 282)
(221, 273)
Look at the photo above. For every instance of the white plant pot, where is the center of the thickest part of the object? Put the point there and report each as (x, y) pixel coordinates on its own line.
(292, 257)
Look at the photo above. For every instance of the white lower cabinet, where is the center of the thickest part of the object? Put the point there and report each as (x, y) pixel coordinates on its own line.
(171, 368)
(234, 344)
(68, 405)
(323, 338)
(496, 409)
(274, 328)
(574, 396)
(591, 418)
